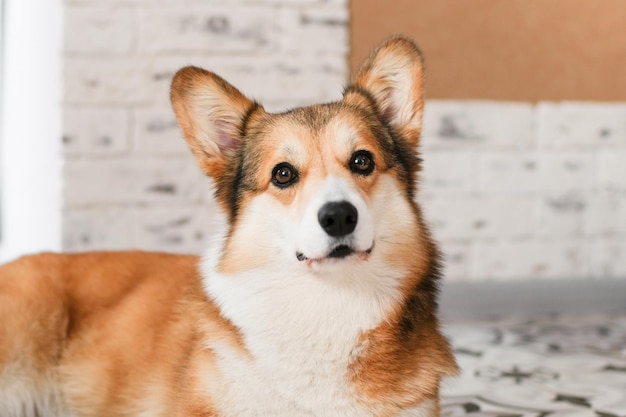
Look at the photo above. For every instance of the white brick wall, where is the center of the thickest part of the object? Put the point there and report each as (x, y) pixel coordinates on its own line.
(512, 190)
(521, 191)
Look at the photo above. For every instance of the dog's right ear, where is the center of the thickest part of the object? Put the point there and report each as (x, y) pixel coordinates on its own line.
(210, 112)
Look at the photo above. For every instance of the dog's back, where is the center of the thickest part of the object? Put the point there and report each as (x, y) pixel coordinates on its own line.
(89, 331)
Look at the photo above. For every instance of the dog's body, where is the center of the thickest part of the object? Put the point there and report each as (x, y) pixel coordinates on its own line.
(317, 299)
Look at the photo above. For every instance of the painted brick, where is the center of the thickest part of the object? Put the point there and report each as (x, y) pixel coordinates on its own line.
(156, 132)
(207, 28)
(152, 2)
(476, 218)
(308, 79)
(612, 169)
(132, 180)
(561, 215)
(182, 229)
(314, 29)
(105, 228)
(571, 125)
(608, 258)
(606, 215)
(107, 81)
(563, 259)
(281, 83)
(446, 172)
(98, 30)
(155, 2)
(289, 3)
(512, 172)
(477, 124)
(95, 131)
(248, 75)
(456, 260)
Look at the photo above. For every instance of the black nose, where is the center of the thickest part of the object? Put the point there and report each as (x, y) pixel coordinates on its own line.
(338, 218)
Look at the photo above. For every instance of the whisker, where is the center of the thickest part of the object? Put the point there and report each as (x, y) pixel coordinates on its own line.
(391, 242)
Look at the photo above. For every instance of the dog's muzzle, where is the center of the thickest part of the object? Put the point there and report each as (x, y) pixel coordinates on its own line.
(338, 219)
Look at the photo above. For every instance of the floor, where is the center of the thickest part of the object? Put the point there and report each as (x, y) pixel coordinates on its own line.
(550, 366)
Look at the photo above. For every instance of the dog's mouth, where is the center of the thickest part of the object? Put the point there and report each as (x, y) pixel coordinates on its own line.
(341, 251)
(338, 252)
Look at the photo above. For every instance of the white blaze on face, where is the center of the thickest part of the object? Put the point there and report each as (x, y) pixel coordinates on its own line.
(310, 238)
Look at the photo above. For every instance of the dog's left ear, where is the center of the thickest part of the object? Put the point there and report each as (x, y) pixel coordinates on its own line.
(210, 112)
(393, 77)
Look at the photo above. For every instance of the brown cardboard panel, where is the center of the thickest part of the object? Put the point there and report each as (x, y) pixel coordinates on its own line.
(525, 50)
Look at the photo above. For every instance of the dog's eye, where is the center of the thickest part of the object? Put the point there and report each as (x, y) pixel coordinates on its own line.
(284, 175)
(361, 162)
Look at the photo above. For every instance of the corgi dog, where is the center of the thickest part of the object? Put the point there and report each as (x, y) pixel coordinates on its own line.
(317, 295)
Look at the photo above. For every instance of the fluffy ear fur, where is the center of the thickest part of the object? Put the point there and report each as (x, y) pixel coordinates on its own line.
(393, 77)
(210, 113)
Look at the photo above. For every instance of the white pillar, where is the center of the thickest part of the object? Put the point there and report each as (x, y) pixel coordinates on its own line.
(31, 118)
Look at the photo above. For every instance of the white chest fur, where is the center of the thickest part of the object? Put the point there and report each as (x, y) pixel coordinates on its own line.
(302, 332)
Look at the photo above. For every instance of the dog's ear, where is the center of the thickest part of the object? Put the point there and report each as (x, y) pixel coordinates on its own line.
(393, 78)
(210, 112)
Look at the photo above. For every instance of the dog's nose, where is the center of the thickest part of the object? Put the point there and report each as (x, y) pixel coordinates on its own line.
(338, 218)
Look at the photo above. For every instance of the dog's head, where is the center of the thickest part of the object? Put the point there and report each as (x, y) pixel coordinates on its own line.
(323, 186)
